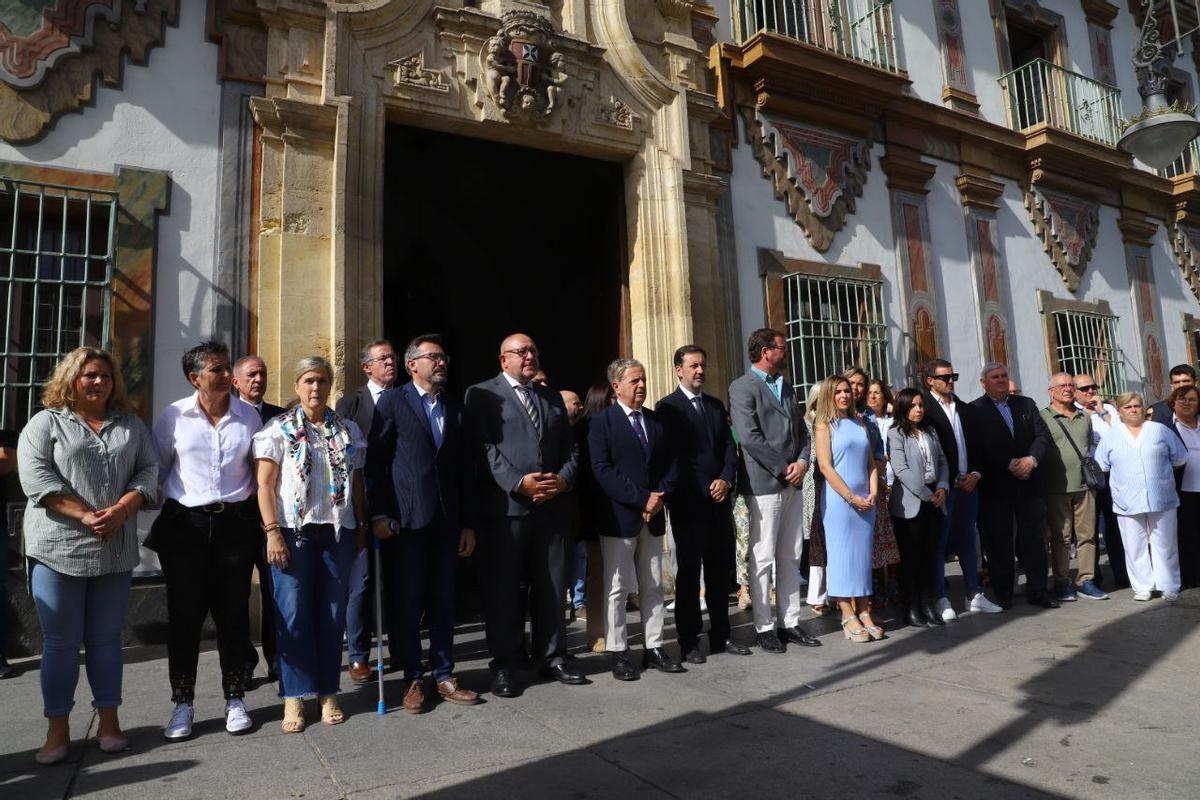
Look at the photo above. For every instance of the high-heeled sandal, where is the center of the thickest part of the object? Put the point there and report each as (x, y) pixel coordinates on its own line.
(293, 715)
(331, 713)
(872, 629)
(859, 635)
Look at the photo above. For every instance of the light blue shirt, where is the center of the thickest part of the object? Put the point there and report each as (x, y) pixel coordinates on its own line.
(1140, 470)
(774, 384)
(436, 412)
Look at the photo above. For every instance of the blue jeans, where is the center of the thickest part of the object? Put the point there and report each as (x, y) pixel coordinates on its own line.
(310, 601)
(959, 536)
(358, 638)
(579, 574)
(75, 611)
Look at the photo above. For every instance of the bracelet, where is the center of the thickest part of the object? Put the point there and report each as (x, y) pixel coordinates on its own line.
(267, 528)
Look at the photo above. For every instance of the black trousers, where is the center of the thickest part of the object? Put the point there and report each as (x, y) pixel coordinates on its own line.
(1112, 539)
(999, 515)
(1189, 539)
(703, 540)
(206, 562)
(426, 566)
(266, 598)
(918, 539)
(533, 548)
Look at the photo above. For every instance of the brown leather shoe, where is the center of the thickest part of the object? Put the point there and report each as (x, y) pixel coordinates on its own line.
(451, 692)
(414, 698)
(360, 672)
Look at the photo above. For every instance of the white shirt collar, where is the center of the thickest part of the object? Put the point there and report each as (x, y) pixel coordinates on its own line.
(938, 397)
(627, 410)
(375, 389)
(513, 382)
(691, 396)
(421, 393)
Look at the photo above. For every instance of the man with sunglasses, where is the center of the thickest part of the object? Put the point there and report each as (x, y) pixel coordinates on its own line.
(420, 470)
(528, 461)
(954, 422)
(1102, 416)
(379, 365)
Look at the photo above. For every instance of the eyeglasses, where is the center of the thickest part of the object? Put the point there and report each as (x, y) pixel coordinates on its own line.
(1091, 387)
(390, 357)
(435, 358)
(1070, 386)
(949, 377)
(521, 352)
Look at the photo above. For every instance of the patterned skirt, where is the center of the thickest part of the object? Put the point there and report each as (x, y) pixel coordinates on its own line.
(884, 551)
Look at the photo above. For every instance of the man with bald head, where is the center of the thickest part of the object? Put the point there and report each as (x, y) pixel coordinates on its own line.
(1102, 415)
(1070, 504)
(528, 462)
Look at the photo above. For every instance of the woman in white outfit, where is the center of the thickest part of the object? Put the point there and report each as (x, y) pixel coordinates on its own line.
(1140, 457)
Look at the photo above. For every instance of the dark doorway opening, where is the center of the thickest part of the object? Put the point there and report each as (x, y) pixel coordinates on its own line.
(483, 239)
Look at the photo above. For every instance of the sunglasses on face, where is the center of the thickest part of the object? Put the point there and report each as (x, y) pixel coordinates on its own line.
(949, 377)
(1091, 387)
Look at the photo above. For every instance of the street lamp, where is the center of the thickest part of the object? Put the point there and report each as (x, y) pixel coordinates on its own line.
(1161, 130)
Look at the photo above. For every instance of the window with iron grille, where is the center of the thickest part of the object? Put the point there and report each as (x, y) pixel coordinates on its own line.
(1086, 343)
(834, 323)
(56, 267)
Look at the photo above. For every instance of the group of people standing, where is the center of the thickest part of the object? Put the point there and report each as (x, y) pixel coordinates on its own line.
(521, 472)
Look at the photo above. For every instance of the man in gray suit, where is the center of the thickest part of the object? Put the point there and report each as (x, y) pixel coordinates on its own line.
(529, 462)
(775, 453)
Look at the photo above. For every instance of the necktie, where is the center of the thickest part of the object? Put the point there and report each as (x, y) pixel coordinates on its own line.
(636, 418)
(531, 408)
(435, 417)
(696, 405)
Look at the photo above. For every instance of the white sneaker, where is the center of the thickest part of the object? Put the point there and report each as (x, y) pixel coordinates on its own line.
(1141, 596)
(981, 604)
(180, 726)
(237, 718)
(942, 606)
(1170, 597)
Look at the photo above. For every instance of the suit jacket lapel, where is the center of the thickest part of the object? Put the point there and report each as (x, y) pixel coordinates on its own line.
(417, 407)
(509, 395)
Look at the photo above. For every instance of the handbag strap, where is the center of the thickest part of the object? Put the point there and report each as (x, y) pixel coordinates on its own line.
(1067, 433)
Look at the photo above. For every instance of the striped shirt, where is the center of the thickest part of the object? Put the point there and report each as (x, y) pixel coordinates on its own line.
(59, 454)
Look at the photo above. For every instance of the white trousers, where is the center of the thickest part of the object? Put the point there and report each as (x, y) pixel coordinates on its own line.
(633, 565)
(1151, 550)
(816, 586)
(776, 537)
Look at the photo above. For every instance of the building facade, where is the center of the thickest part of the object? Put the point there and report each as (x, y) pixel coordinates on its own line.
(884, 181)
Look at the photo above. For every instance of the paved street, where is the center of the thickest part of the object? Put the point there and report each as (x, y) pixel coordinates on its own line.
(1096, 700)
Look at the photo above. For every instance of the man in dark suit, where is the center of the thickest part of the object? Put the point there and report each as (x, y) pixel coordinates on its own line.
(1180, 375)
(420, 467)
(379, 365)
(775, 452)
(250, 386)
(635, 469)
(1013, 439)
(954, 423)
(528, 461)
(701, 508)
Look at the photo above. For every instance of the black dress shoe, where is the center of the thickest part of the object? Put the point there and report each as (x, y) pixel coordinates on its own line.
(622, 668)
(1005, 604)
(1044, 602)
(564, 674)
(694, 656)
(502, 684)
(769, 642)
(6, 670)
(932, 617)
(732, 649)
(661, 660)
(916, 619)
(794, 635)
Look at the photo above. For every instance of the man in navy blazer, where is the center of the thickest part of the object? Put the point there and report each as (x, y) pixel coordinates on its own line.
(701, 507)
(635, 469)
(420, 474)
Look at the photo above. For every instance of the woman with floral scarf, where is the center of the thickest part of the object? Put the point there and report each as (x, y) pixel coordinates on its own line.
(311, 496)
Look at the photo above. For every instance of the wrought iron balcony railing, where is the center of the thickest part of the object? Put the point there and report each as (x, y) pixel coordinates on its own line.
(859, 29)
(1187, 163)
(1041, 93)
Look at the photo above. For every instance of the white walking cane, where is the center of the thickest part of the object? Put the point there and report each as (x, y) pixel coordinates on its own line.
(380, 709)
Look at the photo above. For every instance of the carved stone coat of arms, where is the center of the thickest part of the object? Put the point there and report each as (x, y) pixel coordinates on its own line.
(524, 74)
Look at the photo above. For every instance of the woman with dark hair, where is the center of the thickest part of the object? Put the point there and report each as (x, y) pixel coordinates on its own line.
(917, 505)
(87, 464)
(591, 568)
(1184, 403)
(847, 506)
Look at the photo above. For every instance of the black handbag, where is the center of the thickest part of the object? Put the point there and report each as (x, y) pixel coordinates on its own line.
(1093, 476)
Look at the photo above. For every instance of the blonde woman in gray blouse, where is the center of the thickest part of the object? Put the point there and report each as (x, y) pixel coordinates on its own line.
(87, 464)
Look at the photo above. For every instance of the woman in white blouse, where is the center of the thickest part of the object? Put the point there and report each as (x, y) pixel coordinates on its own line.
(311, 497)
(1140, 456)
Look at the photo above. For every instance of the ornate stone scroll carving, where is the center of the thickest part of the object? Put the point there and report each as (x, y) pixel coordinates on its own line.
(816, 172)
(523, 71)
(410, 71)
(1067, 227)
(1186, 241)
(48, 63)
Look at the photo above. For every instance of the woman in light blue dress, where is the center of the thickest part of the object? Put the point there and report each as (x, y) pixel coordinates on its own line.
(847, 464)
